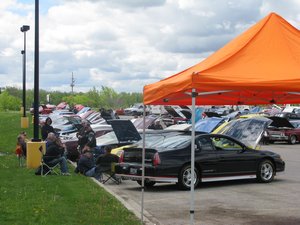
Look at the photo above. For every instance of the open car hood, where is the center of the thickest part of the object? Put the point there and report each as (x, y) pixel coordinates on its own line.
(280, 122)
(187, 113)
(212, 114)
(209, 125)
(139, 122)
(248, 131)
(172, 111)
(124, 130)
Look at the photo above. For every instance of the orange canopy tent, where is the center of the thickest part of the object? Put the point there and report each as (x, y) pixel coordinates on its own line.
(261, 66)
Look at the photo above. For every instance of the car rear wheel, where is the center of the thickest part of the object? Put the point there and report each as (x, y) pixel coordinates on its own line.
(185, 177)
(147, 183)
(293, 140)
(265, 171)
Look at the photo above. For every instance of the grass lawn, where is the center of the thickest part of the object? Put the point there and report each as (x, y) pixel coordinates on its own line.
(29, 199)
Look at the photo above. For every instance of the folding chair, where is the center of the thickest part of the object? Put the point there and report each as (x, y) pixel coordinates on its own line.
(109, 171)
(49, 168)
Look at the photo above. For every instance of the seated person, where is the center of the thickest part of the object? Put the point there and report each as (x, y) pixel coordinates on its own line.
(86, 165)
(104, 161)
(107, 157)
(55, 153)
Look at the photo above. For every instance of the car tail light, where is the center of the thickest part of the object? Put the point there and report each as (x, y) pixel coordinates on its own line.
(156, 159)
(121, 158)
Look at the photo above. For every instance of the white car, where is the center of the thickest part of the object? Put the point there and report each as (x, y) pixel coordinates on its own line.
(136, 109)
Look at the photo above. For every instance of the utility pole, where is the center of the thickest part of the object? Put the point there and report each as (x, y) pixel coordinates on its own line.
(72, 82)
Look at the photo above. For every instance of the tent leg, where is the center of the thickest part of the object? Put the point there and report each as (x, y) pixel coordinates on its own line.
(143, 166)
(192, 202)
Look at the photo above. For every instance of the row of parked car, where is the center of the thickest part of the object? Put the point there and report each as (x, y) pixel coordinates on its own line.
(226, 145)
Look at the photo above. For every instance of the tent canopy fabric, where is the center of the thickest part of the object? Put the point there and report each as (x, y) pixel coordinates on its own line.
(261, 66)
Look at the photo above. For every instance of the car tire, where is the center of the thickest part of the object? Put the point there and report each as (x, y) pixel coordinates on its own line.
(184, 177)
(265, 171)
(293, 140)
(147, 183)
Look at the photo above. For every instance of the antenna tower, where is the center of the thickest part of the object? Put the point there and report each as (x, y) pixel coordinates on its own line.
(72, 82)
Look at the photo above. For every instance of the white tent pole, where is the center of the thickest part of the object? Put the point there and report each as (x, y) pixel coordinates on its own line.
(143, 166)
(192, 203)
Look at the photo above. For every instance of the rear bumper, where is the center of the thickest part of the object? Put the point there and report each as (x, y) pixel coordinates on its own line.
(149, 178)
(134, 172)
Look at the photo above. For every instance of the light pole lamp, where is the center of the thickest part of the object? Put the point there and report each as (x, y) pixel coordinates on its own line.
(23, 29)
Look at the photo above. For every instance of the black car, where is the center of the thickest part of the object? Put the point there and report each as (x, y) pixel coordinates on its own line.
(217, 157)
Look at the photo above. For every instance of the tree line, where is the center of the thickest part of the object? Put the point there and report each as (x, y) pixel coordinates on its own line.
(11, 98)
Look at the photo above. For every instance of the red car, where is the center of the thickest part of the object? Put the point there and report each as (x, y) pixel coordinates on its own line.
(282, 129)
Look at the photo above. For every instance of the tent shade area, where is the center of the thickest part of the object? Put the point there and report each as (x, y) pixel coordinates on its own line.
(261, 66)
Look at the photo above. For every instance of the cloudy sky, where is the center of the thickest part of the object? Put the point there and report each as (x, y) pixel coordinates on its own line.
(122, 44)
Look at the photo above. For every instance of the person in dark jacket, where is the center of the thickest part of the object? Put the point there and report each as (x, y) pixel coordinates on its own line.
(86, 165)
(55, 153)
(47, 128)
(86, 137)
(104, 162)
(107, 157)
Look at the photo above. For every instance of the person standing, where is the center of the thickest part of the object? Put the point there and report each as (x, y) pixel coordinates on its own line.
(86, 137)
(47, 128)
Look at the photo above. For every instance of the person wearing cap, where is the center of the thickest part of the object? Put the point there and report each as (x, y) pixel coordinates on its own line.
(47, 128)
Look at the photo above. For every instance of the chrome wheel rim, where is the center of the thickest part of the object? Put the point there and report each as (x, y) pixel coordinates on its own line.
(266, 171)
(187, 177)
(293, 139)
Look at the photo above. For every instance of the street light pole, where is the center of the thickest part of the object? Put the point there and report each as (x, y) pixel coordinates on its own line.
(23, 29)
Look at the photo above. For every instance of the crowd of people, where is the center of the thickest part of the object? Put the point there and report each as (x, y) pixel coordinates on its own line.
(87, 164)
(56, 152)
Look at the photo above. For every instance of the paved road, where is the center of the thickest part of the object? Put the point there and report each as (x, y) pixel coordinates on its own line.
(217, 203)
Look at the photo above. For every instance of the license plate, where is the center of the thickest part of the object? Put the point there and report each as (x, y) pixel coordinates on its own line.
(133, 171)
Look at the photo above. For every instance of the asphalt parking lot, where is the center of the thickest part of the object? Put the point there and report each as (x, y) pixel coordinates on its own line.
(217, 203)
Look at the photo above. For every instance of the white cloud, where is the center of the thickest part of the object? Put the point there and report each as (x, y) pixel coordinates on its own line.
(122, 44)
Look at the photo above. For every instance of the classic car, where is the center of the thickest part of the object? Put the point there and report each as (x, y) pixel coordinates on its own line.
(289, 115)
(136, 109)
(281, 129)
(217, 157)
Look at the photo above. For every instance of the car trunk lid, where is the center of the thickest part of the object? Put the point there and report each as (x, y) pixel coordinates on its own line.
(125, 131)
(134, 155)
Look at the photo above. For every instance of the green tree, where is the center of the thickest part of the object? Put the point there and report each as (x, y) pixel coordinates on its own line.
(8, 102)
(105, 97)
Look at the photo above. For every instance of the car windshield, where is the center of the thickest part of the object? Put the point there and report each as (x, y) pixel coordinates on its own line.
(248, 131)
(171, 142)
